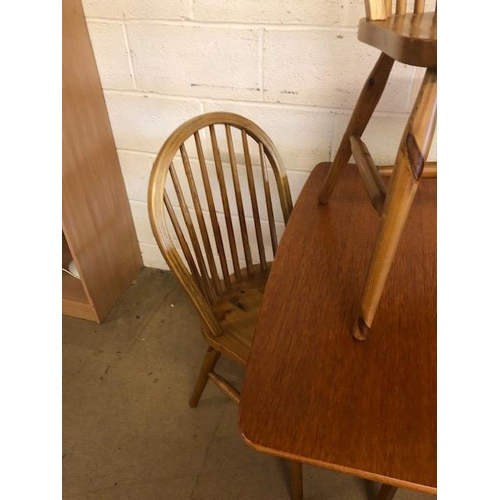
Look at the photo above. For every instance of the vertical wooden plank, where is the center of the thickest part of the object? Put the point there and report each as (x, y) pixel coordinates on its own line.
(96, 216)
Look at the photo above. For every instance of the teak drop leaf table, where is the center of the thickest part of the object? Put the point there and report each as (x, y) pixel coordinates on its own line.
(312, 392)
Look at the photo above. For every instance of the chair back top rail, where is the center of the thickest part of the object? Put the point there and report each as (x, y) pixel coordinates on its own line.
(378, 10)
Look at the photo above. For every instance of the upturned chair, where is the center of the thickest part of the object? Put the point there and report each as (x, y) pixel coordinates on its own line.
(201, 215)
(409, 38)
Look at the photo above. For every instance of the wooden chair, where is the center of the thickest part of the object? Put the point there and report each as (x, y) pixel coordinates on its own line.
(201, 215)
(410, 38)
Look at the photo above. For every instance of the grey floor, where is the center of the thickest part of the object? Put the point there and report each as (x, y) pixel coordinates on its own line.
(128, 431)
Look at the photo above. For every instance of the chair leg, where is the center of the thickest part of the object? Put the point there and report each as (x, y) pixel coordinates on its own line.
(386, 492)
(367, 101)
(295, 480)
(209, 362)
(408, 168)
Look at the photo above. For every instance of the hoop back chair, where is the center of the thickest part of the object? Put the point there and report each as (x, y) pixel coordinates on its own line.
(410, 38)
(201, 215)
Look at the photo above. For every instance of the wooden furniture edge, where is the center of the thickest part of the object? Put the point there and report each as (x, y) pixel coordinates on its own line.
(401, 49)
(340, 468)
(79, 310)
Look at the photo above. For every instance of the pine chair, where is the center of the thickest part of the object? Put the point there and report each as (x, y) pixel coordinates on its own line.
(201, 215)
(409, 38)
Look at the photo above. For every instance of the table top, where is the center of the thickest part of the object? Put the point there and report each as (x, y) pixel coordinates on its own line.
(312, 392)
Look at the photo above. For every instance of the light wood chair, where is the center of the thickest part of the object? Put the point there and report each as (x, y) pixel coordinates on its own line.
(409, 38)
(201, 215)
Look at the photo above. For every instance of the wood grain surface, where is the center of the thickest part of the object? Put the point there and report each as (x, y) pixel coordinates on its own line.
(96, 216)
(312, 392)
(409, 165)
(410, 39)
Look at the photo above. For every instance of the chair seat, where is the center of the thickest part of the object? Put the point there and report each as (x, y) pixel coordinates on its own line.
(410, 39)
(237, 313)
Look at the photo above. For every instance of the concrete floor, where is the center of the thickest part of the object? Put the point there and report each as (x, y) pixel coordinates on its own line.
(128, 431)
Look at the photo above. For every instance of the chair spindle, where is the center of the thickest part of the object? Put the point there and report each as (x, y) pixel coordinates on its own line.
(186, 251)
(201, 220)
(253, 197)
(269, 203)
(419, 6)
(388, 8)
(372, 180)
(192, 234)
(211, 209)
(401, 7)
(239, 201)
(225, 202)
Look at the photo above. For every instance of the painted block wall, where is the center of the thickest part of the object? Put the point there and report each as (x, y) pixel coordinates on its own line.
(294, 67)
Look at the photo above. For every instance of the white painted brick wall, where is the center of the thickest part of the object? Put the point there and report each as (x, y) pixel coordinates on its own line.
(285, 12)
(138, 9)
(142, 122)
(112, 57)
(293, 67)
(217, 62)
(136, 168)
(325, 68)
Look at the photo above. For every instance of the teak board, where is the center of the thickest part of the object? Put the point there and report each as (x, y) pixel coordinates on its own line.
(315, 394)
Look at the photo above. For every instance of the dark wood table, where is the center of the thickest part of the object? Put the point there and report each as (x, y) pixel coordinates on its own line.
(314, 394)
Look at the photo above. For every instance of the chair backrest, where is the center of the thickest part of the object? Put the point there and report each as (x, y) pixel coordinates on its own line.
(227, 175)
(383, 9)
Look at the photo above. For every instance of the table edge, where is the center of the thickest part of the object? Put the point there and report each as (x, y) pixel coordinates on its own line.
(341, 468)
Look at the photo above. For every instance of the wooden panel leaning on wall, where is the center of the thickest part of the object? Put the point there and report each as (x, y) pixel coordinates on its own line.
(98, 230)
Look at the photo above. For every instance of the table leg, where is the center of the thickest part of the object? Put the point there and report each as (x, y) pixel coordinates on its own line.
(386, 492)
(295, 480)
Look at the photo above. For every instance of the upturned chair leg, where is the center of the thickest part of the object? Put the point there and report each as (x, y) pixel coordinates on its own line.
(410, 160)
(209, 362)
(367, 101)
(386, 492)
(295, 480)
